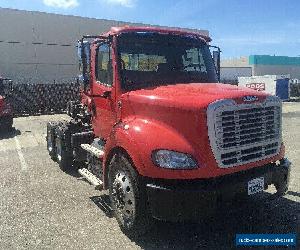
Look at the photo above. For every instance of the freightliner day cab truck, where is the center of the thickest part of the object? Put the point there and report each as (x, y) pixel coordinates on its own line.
(157, 130)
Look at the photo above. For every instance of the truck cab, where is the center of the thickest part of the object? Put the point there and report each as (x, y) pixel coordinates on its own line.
(157, 129)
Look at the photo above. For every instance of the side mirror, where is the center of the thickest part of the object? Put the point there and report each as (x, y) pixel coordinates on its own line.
(216, 54)
(83, 51)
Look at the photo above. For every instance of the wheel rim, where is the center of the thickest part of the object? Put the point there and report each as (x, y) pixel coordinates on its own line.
(58, 149)
(123, 197)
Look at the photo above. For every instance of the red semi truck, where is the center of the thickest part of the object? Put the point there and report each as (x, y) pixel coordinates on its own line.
(157, 129)
(6, 111)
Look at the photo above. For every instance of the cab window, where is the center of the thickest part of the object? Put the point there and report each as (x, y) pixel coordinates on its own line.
(104, 74)
(193, 60)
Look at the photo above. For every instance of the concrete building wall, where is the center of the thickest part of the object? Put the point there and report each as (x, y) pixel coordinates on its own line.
(293, 71)
(40, 47)
(231, 74)
(235, 62)
(233, 68)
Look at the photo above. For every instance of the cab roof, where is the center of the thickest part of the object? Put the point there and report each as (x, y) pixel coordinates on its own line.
(124, 29)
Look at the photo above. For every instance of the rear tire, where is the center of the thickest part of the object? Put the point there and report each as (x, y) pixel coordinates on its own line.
(128, 197)
(51, 126)
(8, 124)
(63, 154)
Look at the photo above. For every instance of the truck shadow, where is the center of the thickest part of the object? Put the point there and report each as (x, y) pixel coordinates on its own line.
(103, 202)
(294, 193)
(73, 171)
(9, 134)
(275, 216)
(279, 215)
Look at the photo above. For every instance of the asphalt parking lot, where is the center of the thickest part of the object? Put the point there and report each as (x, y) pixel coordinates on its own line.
(44, 208)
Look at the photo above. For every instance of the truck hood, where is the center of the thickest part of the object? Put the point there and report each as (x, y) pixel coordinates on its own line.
(190, 96)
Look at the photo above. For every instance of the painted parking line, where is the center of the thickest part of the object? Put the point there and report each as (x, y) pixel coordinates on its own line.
(24, 165)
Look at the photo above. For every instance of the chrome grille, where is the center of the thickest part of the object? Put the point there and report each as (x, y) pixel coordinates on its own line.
(243, 133)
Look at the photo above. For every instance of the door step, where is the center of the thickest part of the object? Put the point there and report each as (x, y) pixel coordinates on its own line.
(93, 150)
(90, 177)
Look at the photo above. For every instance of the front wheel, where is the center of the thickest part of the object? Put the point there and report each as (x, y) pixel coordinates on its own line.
(281, 188)
(128, 197)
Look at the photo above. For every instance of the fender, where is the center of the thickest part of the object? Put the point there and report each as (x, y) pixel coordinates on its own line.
(139, 137)
(120, 138)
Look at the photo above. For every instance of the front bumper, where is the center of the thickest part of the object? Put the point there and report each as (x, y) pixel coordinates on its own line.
(178, 200)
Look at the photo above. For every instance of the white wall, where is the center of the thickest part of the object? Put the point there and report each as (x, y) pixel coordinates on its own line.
(232, 73)
(235, 62)
(40, 47)
(292, 70)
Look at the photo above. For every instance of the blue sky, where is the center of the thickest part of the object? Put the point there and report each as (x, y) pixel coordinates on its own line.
(239, 27)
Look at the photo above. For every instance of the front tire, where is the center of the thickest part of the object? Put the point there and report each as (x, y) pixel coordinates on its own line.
(282, 181)
(281, 188)
(128, 197)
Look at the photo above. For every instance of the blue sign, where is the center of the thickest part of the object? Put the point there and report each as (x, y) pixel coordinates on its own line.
(266, 239)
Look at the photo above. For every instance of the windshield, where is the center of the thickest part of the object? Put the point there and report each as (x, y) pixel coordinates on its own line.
(152, 59)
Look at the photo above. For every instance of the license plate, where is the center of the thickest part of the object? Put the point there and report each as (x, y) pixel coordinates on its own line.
(256, 185)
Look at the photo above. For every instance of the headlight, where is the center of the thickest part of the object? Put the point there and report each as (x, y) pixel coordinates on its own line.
(174, 160)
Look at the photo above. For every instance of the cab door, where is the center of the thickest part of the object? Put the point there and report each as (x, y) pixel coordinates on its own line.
(103, 105)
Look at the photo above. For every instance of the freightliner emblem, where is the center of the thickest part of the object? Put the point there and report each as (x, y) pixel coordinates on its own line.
(250, 98)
